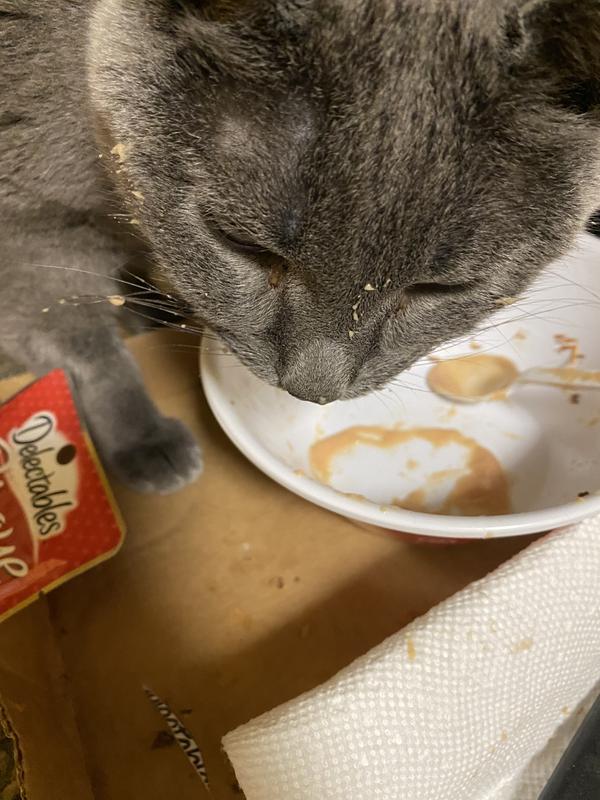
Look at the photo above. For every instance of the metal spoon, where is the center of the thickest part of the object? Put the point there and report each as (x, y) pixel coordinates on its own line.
(474, 379)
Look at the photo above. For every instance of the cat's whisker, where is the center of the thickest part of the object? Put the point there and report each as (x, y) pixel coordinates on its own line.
(112, 279)
(398, 399)
(135, 284)
(198, 347)
(80, 300)
(113, 299)
(496, 326)
(378, 395)
(183, 327)
(136, 301)
(398, 383)
(108, 278)
(151, 297)
(588, 290)
(145, 283)
(180, 347)
(543, 315)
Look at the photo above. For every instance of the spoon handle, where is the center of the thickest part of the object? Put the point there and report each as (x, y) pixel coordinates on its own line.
(567, 377)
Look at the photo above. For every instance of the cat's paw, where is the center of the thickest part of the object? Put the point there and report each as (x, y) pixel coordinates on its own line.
(167, 459)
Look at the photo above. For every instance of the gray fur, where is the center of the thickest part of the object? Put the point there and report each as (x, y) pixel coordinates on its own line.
(442, 152)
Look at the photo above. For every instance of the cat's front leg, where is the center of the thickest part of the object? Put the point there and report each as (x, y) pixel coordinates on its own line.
(42, 327)
(143, 448)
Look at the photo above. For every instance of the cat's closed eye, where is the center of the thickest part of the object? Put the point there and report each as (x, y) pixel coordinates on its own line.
(433, 289)
(275, 266)
(238, 241)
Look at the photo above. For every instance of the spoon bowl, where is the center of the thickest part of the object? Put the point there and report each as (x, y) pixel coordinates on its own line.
(480, 378)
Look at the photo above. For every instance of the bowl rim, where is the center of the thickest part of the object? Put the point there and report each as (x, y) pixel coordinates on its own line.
(387, 517)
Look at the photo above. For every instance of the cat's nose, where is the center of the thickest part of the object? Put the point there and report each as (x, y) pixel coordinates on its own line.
(311, 397)
(318, 372)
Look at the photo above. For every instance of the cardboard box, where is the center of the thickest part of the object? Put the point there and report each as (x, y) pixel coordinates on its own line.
(226, 599)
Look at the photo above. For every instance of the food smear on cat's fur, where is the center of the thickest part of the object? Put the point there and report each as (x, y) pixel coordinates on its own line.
(472, 377)
(120, 152)
(475, 485)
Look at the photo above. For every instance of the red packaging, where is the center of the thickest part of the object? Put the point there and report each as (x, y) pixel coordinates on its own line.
(57, 514)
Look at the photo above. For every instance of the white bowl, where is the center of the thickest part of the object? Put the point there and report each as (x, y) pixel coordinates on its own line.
(548, 446)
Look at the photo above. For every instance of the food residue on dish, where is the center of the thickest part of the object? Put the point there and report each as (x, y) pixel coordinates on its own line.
(479, 488)
(472, 377)
(355, 496)
(567, 344)
(571, 375)
(449, 414)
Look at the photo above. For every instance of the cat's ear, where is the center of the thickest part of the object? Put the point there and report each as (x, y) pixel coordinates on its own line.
(558, 43)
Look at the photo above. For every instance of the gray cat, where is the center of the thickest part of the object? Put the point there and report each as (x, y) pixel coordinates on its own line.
(334, 186)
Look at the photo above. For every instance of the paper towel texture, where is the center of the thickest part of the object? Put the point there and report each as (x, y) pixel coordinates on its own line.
(456, 706)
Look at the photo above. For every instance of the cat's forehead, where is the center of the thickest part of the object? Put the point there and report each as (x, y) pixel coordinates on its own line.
(363, 128)
(246, 124)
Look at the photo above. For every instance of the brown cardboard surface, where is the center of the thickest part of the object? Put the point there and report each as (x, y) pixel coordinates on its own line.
(35, 695)
(227, 599)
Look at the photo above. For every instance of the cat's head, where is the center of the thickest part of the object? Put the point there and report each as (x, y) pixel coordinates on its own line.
(338, 186)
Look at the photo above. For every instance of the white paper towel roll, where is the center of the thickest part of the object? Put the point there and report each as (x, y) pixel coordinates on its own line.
(456, 706)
